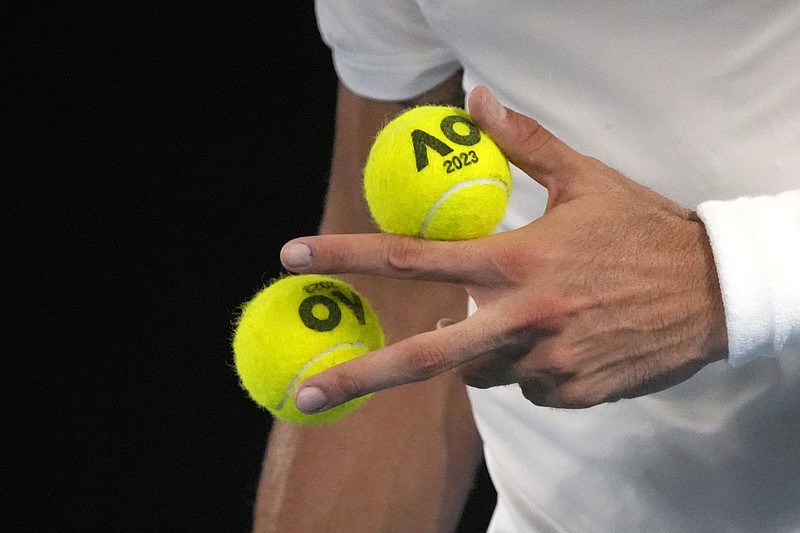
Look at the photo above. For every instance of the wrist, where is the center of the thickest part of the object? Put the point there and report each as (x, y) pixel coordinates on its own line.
(716, 345)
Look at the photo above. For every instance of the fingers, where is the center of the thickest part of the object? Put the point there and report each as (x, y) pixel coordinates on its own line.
(526, 143)
(392, 256)
(415, 359)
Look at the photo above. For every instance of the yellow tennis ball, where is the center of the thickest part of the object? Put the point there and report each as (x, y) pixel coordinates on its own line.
(432, 173)
(296, 327)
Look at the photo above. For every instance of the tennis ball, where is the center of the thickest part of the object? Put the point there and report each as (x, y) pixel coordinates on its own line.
(432, 173)
(296, 327)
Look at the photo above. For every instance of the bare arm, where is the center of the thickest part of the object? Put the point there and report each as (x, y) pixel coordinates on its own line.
(406, 460)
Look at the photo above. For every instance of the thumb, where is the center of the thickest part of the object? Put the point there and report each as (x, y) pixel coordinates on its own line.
(526, 143)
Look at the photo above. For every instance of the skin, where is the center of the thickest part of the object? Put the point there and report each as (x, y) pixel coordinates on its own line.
(611, 294)
(406, 460)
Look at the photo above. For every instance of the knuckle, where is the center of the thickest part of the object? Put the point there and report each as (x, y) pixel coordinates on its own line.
(484, 376)
(556, 362)
(346, 387)
(535, 393)
(574, 396)
(402, 254)
(532, 135)
(427, 361)
(554, 311)
(567, 396)
(514, 263)
(476, 379)
(541, 312)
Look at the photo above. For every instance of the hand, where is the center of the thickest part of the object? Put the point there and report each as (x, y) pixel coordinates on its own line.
(611, 294)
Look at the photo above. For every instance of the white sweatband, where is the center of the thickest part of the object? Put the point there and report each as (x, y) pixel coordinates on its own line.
(756, 246)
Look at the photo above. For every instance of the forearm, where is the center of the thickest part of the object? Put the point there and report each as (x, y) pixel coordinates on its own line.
(406, 460)
(357, 123)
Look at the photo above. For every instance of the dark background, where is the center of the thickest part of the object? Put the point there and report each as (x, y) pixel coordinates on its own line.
(156, 158)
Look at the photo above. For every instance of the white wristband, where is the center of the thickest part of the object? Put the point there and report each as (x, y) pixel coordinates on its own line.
(756, 246)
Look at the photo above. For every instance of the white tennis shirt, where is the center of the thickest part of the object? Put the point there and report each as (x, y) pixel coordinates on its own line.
(701, 102)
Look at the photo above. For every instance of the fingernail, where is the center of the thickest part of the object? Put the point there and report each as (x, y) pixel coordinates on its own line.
(493, 107)
(310, 400)
(296, 255)
(443, 323)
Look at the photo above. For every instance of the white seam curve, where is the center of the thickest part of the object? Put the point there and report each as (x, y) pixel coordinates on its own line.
(293, 383)
(461, 185)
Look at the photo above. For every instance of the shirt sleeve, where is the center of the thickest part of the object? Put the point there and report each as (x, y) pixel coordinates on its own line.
(756, 246)
(383, 50)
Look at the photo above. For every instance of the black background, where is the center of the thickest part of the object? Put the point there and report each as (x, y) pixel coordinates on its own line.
(156, 159)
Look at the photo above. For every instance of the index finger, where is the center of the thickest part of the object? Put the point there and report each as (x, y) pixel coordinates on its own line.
(394, 256)
(417, 358)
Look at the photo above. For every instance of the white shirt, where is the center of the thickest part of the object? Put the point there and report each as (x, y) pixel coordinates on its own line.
(701, 102)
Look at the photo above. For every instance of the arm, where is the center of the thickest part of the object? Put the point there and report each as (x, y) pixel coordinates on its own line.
(406, 460)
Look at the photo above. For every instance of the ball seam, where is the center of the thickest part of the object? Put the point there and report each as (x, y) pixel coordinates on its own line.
(461, 185)
(296, 378)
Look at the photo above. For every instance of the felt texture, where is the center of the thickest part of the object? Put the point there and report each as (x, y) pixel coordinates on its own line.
(758, 271)
(431, 173)
(294, 328)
